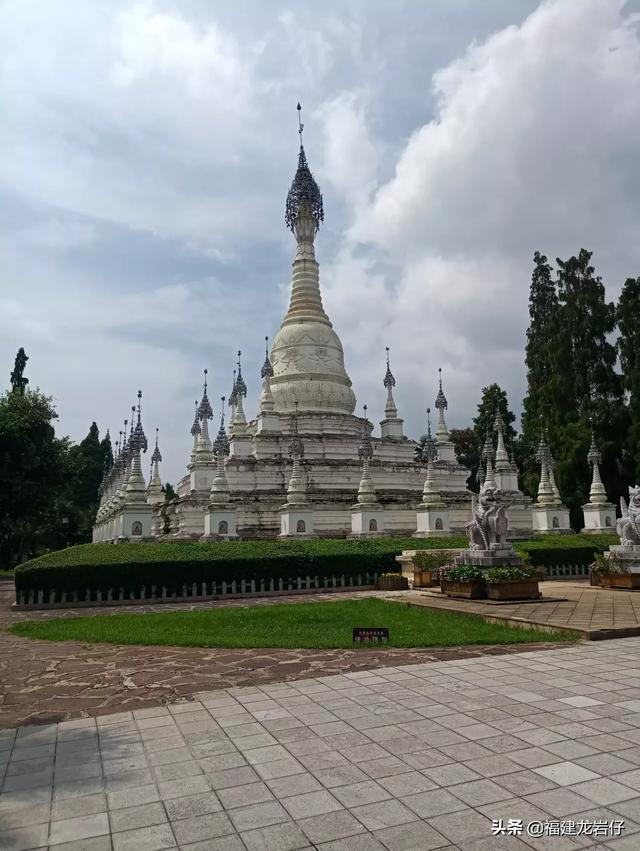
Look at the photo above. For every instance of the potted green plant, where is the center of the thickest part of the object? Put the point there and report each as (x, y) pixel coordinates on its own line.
(392, 582)
(427, 568)
(512, 583)
(463, 581)
(613, 573)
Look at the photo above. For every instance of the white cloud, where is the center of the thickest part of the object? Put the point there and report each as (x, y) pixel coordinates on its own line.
(171, 126)
(530, 148)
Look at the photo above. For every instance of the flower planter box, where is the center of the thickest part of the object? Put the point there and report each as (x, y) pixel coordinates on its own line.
(474, 590)
(392, 583)
(630, 581)
(424, 578)
(515, 589)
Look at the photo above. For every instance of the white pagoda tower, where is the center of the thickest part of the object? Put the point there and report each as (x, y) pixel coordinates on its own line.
(306, 392)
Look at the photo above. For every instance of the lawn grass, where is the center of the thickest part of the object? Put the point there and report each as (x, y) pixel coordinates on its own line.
(295, 625)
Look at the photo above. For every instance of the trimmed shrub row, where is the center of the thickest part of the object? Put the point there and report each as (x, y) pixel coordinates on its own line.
(173, 565)
(100, 567)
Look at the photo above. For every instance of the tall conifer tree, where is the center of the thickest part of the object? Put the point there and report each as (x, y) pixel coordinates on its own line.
(628, 316)
(539, 359)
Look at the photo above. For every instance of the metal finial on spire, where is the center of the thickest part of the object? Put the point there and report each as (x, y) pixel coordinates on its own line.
(205, 411)
(195, 428)
(304, 192)
(267, 368)
(240, 386)
(389, 380)
(300, 124)
(441, 399)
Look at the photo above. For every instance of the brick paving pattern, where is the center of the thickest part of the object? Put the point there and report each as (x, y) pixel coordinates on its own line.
(402, 757)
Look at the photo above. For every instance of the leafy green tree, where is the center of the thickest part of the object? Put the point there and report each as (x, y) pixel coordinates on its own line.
(33, 467)
(467, 448)
(169, 492)
(494, 399)
(628, 316)
(18, 381)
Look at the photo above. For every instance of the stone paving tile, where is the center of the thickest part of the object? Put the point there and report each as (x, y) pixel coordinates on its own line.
(277, 793)
(100, 677)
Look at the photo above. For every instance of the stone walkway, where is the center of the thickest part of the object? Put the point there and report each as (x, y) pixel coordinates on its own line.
(596, 612)
(49, 681)
(402, 757)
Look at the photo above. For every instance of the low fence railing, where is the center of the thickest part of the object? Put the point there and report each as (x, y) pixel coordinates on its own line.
(567, 571)
(196, 591)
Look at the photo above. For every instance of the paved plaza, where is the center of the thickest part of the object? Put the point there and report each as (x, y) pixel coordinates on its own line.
(50, 681)
(412, 756)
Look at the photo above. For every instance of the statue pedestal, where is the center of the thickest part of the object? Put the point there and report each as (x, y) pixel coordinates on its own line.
(500, 555)
(629, 556)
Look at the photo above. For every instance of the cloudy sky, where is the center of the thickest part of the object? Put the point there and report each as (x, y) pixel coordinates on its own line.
(148, 148)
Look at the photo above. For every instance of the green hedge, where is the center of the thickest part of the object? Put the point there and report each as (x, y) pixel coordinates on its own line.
(564, 549)
(173, 565)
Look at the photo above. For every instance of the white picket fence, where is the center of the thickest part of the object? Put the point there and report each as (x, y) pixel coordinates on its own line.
(567, 571)
(196, 591)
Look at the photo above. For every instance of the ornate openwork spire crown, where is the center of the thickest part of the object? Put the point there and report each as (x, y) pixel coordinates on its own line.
(296, 447)
(221, 443)
(267, 368)
(304, 192)
(389, 380)
(138, 439)
(365, 449)
(205, 411)
(429, 451)
(156, 457)
(594, 456)
(195, 428)
(240, 386)
(233, 396)
(441, 400)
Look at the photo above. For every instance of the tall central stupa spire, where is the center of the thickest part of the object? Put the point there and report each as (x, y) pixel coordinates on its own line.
(307, 356)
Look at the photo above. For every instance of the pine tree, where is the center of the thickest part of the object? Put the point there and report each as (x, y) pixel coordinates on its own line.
(572, 379)
(467, 448)
(18, 382)
(628, 316)
(494, 399)
(539, 358)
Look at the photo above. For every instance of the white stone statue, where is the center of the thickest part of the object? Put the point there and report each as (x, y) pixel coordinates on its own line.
(490, 522)
(628, 526)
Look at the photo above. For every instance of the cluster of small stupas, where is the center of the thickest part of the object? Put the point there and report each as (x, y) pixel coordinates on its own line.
(306, 464)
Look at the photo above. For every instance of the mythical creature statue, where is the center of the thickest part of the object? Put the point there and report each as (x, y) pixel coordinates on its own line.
(628, 526)
(490, 522)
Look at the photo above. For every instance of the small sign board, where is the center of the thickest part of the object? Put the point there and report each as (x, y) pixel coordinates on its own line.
(370, 635)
